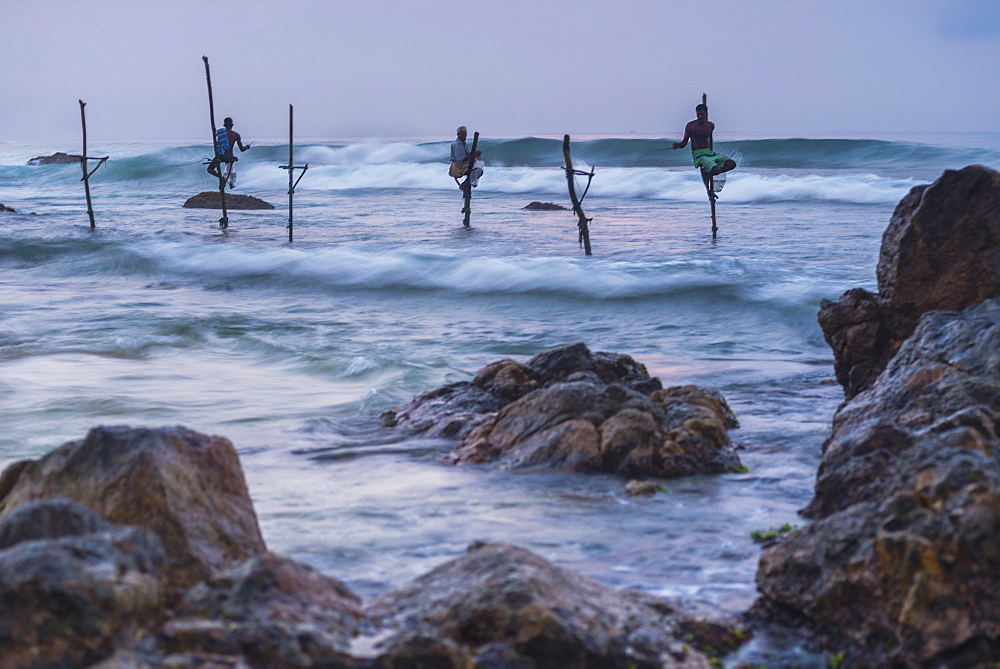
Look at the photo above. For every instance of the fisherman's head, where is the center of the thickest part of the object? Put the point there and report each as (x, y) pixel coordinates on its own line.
(462, 132)
(228, 122)
(701, 110)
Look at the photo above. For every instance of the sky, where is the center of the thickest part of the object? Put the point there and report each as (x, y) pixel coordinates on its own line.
(419, 68)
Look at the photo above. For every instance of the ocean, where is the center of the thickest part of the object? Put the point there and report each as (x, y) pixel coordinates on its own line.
(293, 350)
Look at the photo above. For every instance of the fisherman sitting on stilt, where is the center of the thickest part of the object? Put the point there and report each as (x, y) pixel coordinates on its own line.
(460, 157)
(225, 139)
(705, 158)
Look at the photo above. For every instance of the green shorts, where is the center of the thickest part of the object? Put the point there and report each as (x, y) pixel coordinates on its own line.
(706, 159)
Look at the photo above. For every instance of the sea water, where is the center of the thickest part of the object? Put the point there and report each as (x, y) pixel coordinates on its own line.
(293, 350)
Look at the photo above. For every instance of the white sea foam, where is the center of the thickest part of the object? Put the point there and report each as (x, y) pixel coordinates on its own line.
(649, 183)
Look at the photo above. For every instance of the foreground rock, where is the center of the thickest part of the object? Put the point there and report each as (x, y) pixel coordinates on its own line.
(78, 588)
(903, 555)
(268, 611)
(940, 251)
(212, 200)
(157, 479)
(572, 409)
(57, 158)
(501, 606)
(67, 593)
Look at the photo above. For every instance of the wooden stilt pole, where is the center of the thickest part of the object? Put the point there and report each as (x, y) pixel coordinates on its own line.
(291, 168)
(583, 222)
(710, 182)
(224, 221)
(467, 209)
(83, 166)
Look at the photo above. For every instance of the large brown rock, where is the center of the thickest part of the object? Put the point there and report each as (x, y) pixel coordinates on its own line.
(903, 554)
(186, 487)
(455, 409)
(941, 250)
(585, 426)
(65, 602)
(268, 611)
(573, 409)
(502, 606)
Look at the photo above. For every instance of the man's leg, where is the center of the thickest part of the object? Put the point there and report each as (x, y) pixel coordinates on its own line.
(730, 164)
(213, 168)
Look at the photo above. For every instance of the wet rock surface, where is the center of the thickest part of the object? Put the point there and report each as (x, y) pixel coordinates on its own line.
(5, 209)
(212, 200)
(902, 557)
(78, 587)
(568, 408)
(156, 479)
(502, 606)
(65, 601)
(941, 250)
(269, 610)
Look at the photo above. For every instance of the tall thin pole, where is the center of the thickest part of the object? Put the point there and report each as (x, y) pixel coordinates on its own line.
(582, 221)
(83, 165)
(468, 180)
(291, 161)
(710, 180)
(224, 221)
(292, 183)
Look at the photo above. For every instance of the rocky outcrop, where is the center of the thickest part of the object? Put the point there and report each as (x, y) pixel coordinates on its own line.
(212, 200)
(78, 588)
(543, 206)
(65, 601)
(501, 606)
(455, 409)
(155, 479)
(572, 409)
(8, 210)
(940, 251)
(584, 426)
(57, 158)
(268, 611)
(902, 556)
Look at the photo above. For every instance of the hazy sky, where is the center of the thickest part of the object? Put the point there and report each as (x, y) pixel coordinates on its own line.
(376, 68)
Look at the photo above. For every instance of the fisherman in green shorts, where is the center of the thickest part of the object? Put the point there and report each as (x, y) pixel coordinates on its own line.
(705, 158)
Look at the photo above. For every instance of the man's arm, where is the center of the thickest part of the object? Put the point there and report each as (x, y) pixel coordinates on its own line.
(234, 138)
(687, 135)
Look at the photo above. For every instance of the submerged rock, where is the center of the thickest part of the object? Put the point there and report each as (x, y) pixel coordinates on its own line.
(212, 200)
(57, 158)
(569, 408)
(543, 206)
(941, 250)
(502, 606)
(903, 555)
(186, 487)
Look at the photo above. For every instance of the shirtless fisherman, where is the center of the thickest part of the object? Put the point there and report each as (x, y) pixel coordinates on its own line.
(460, 154)
(705, 158)
(226, 139)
